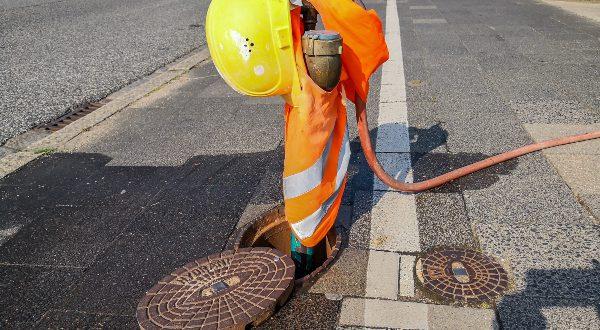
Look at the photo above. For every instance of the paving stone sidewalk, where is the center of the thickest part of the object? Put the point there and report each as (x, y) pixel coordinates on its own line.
(86, 230)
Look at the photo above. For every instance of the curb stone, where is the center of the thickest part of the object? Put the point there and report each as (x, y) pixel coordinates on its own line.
(13, 161)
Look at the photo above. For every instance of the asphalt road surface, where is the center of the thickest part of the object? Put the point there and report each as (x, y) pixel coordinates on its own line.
(56, 55)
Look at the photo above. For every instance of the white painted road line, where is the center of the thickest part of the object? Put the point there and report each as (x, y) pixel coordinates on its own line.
(396, 164)
(392, 133)
(394, 226)
(393, 223)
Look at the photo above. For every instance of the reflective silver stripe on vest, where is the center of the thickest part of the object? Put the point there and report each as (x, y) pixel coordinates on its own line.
(300, 183)
(306, 227)
(343, 160)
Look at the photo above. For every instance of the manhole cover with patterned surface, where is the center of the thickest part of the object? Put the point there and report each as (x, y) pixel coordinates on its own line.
(231, 289)
(462, 275)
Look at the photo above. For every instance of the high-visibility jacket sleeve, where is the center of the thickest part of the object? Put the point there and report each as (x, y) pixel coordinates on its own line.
(364, 47)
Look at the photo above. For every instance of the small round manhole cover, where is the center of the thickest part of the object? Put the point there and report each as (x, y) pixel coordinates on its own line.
(462, 275)
(231, 289)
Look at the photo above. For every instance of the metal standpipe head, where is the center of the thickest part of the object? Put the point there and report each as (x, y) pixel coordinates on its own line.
(322, 54)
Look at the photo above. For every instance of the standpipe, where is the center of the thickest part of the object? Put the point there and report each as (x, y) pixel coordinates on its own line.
(322, 50)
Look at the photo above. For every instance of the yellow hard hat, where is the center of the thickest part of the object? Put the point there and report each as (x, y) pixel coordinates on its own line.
(250, 42)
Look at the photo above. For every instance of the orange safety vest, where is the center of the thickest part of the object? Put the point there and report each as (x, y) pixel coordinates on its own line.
(317, 148)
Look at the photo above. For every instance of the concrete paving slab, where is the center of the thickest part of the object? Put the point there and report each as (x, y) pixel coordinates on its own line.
(347, 276)
(392, 134)
(77, 206)
(426, 132)
(430, 165)
(442, 46)
(407, 279)
(22, 141)
(490, 63)
(360, 176)
(534, 200)
(202, 132)
(514, 30)
(466, 82)
(394, 225)
(443, 221)
(544, 313)
(423, 14)
(316, 310)
(196, 213)
(421, 29)
(579, 171)
(558, 260)
(409, 315)
(383, 314)
(592, 204)
(466, 127)
(382, 275)
(542, 132)
(449, 317)
(554, 112)
(588, 10)
(360, 228)
(529, 85)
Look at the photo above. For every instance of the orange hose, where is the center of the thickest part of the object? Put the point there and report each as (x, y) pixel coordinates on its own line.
(365, 142)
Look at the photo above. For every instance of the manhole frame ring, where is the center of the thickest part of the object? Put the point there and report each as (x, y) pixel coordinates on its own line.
(299, 283)
(435, 295)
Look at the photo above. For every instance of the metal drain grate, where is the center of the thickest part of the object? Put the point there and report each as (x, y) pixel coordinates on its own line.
(462, 275)
(72, 116)
(231, 289)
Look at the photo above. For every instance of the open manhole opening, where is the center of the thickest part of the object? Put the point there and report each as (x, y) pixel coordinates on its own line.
(232, 289)
(273, 231)
(461, 275)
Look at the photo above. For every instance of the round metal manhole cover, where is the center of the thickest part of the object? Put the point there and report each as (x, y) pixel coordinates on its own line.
(231, 289)
(462, 275)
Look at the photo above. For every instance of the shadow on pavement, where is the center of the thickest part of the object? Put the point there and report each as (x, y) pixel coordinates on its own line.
(426, 164)
(94, 237)
(101, 235)
(547, 289)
